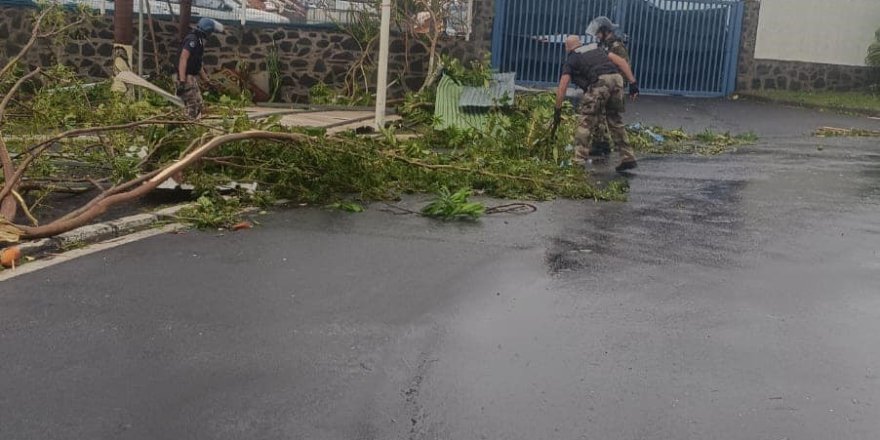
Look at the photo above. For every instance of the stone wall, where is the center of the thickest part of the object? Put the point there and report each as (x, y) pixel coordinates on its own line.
(746, 60)
(797, 76)
(480, 43)
(763, 74)
(308, 55)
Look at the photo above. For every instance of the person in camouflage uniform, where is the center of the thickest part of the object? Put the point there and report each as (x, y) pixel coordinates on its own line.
(600, 75)
(604, 32)
(190, 68)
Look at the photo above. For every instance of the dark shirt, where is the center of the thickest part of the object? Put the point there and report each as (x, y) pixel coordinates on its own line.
(585, 67)
(195, 44)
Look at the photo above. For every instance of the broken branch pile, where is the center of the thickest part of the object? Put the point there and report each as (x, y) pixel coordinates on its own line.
(65, 136)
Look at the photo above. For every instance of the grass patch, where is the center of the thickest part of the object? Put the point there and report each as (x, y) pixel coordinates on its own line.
(861, 102)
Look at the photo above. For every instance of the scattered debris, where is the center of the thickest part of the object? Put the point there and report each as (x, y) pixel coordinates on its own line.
(845, 132)
(242, 225)
(231, 81)
(448, 206)
(637, 127)
(132, 79)
(346, 206)
(8, 232)
(659, 140)
(10, 256)
(454, 206)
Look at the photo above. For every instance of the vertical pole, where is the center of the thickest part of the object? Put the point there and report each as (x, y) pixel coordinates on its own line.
(498, 39)
(382, 76)
(122, 22)
(141, 37)
(123, 28)
(243, 12)
(185, 18)
(470, 20)
(738, 10)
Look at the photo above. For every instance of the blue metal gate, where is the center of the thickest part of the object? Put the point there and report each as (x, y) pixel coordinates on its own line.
(677, 47)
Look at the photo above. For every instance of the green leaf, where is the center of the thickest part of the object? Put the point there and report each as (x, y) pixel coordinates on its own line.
(346, 206)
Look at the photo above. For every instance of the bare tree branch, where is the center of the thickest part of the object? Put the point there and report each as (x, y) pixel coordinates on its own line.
(63, 29)
(7, 204)
(35, 35)
(99, 207)
(38, 149)
(24, 208)
(11, 92)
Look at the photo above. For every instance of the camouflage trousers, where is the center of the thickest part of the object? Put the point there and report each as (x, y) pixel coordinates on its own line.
(601, 139)
(192, 98)
(602, 105)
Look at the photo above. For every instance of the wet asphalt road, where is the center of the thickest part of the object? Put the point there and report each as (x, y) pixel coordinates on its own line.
(734, 297)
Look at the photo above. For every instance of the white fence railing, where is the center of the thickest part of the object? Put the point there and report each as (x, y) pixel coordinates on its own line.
(458, 15)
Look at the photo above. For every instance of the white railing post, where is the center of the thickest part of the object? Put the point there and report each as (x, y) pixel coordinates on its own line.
(382, 76)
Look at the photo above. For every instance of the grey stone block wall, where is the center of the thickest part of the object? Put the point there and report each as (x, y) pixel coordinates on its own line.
(800, 76)
(746, 60)
(308, 55)
(480, 43)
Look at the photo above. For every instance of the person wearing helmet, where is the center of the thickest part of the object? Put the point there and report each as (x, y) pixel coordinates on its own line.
(190, 68)
(604, 31)
(600, 75)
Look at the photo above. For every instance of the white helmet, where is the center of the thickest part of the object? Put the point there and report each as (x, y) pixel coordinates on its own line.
(601, 24)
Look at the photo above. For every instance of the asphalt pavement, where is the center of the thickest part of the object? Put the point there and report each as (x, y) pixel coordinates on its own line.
(733, 297)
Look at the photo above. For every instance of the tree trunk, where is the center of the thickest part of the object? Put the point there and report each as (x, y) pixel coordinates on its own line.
(185, 18)
(123, 22)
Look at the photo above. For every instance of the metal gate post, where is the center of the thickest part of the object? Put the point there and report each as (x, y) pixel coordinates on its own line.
(737, 12)
(498, 28)
(619, 15)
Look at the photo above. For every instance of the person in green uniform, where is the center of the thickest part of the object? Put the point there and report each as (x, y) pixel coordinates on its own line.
(601, 76)
(604, 32)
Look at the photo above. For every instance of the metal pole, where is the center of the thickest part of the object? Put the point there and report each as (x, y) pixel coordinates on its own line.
(141, 38)
(243, 12)
(470, 20)
(382, 77)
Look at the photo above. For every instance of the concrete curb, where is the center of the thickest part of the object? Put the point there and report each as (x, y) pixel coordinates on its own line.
(844, 110)
(98, 232)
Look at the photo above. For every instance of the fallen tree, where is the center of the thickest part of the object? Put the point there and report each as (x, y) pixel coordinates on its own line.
(49, 23)
(60, 135)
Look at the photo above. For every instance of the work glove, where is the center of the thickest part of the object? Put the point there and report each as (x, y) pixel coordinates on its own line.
(181, 88)
(213, 86)
(557, 118)
(633, 90)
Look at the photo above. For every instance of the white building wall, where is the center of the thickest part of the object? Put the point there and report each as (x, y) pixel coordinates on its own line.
(817, 31)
